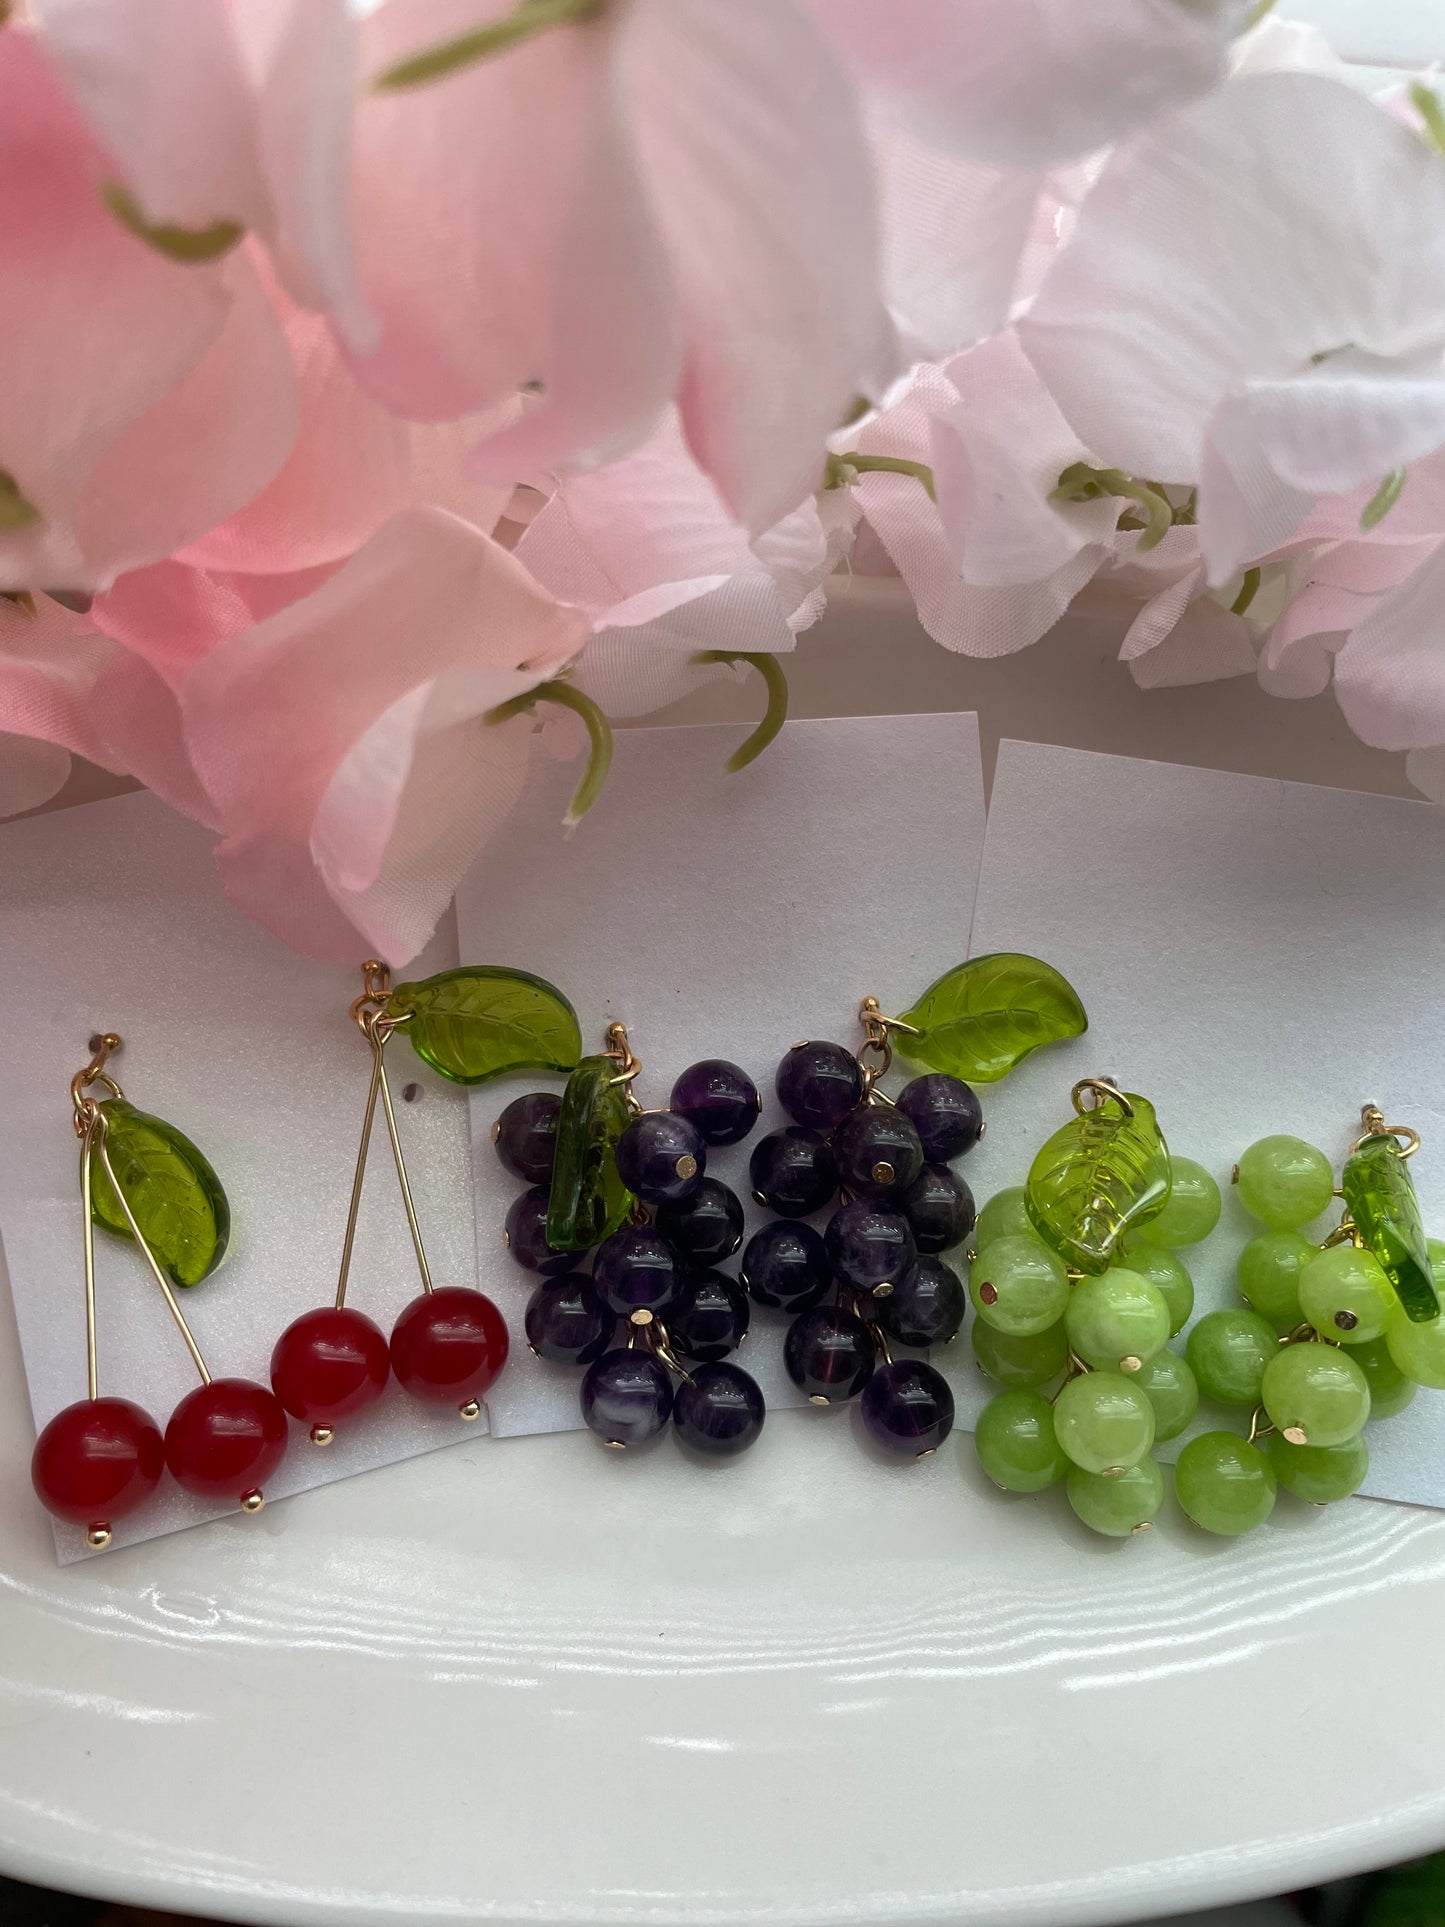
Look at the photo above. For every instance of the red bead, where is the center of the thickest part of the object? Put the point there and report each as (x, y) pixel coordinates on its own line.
(226, 1438)
(448, 1345)
(329, 1365)
(97, 1460)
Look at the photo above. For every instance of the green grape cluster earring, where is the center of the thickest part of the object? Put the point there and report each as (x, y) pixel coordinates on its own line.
(1330, 1335)
(1076, 1283)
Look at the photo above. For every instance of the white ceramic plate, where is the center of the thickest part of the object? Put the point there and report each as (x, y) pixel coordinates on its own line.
(532, 1682)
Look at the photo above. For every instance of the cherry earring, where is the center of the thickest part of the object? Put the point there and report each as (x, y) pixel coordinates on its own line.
(101, 1458)
(450, 1342)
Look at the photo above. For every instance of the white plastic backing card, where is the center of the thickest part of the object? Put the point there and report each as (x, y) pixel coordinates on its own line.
(1255, 956)
(722, 915)
(113, 919)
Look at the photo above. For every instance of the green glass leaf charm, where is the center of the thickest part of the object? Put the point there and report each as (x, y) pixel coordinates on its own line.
(175, 1195)
(482, 1021)
(1380, 1198)
(1104, 1173)
(984, 1016)
(588, 1200)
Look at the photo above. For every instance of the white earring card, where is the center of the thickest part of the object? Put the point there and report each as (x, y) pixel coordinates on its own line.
(1255, 957)
(721, 915)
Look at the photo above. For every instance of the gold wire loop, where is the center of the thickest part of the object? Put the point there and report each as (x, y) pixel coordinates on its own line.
(367, 1013)
(877, 1042)
(1372, 1121)
(94, 1073)
(1102, 1090)
(629, 1066)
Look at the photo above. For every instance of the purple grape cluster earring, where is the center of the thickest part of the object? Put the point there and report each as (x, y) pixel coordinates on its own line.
(655, 1322)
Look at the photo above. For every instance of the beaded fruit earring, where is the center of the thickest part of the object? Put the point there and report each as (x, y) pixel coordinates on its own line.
(1331, 1335)
(1075, 1277)
(450, 1341)
(631, 1187)
(100, 1459)
(902, 1205)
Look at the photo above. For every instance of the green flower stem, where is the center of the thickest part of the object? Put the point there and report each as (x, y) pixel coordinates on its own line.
(186, 244)
(1081, 483)
(1383, 499)
(599, 734)
(529, 17)
(776, 713)
(1248, 590)
(1426, 103)
(841, 471)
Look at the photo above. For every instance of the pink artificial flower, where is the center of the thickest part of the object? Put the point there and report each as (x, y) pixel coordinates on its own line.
(1254, 301)
(648, 550)
(354, 778)
(992, 563)
(1030, 82)
(670, 199)
(143, 400)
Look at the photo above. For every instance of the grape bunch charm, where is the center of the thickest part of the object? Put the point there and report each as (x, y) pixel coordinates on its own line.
(1330, 1336)
(631, 1187)
(875, 1277)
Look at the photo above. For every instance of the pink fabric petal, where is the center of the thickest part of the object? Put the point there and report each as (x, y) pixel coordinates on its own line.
(163, 85)
(1337, 589)
(310, 729)
(1426, 770)
(503, 240)
(302, 60)
(66, 685)
(170, 616)
(31, 772)
(1246, 508)
(754, 157)
(1028, 81)
(997, 451)
(203, 451)
(638, 661)
(95, 327)
(954, 233)
(650, 518)
(1161, 614)
(1390, 675)
(1282, 218)
(1208, 643)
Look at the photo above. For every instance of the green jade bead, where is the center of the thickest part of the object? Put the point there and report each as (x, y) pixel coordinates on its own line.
(1116, 1321)
(1318, 1474)
(1268, 1274)
(1004, 1216)
(1166, 1273)
(1390, 1390)
(1229, 1352)
(1193, 1208)
(1016, 1443)
(1285, 1182)
(1104, 1422)
(1021, 1363)
(1344, 1293)
(1121, 1506)
(1172, 1389)
(1225, 1484)
(1019, 1285)
(1315, 1395)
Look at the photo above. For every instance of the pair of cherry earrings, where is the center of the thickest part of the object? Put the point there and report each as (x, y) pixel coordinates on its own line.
(143, 1180)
